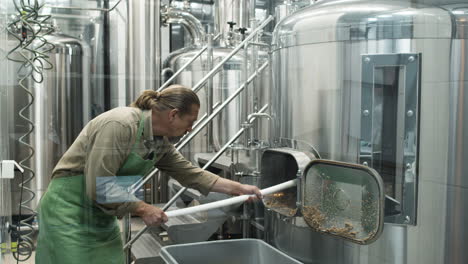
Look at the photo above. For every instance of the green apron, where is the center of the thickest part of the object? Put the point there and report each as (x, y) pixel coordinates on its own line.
(72, 229)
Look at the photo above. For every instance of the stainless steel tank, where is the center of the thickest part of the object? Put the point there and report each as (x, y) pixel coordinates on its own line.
(225, 83)
(61, 108)
(380, 83)
(236, 11)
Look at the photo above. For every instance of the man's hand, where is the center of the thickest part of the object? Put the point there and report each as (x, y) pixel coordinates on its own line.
(234, 188)
(151, 215)
(249, 189)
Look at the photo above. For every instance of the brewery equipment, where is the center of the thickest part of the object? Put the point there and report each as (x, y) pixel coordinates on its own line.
(61, 109)
(379, 83)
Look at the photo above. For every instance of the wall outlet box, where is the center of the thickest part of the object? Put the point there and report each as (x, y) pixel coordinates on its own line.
(7, 169)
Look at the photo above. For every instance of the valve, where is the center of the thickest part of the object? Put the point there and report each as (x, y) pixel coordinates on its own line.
(231, 25)
(242, 31)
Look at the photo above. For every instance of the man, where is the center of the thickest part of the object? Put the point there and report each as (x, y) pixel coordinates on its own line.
(78, 214)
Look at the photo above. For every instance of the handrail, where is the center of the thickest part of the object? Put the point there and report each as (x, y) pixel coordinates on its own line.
(202, 82)
(188, 63)
(194, 132)
(196, 88)
(181, 191)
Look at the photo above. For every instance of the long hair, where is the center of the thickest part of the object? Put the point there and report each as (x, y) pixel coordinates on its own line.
(174, 97)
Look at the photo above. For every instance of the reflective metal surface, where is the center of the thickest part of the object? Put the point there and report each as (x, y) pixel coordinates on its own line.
(143, 48)
(236, 11)
(389, 125)
(61, 109)
(171, 15)
(278, 166)
(225, 82)
(6, 89)
(317, 98)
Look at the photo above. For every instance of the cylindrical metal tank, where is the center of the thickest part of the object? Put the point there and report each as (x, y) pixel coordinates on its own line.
(380, 83)
(61, 108)
(236, 11)
(225, 83)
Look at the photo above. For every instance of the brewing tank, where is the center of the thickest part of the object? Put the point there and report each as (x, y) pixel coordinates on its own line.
(61, 108)
(380, 83)
(228, 79)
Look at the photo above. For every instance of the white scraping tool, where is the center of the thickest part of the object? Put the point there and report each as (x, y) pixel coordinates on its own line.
(230, 201)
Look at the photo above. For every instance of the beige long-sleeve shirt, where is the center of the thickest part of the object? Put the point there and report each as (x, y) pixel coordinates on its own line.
(104, 144)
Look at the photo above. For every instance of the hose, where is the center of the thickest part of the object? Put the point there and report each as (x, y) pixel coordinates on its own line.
(29, 28)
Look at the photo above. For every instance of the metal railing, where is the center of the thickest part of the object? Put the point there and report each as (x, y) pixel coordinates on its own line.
(186, 139)
(188, 63)
(189, 137)
(181, 191)
(202, 82)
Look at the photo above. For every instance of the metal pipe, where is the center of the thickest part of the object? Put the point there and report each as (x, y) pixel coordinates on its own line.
(199, 85)
(245, 221)
(209, 94)
(84, 8)
(144, 38)
(126, 229)
(106, 57)
(181, 191)
(166, 84)
(143, 53)
(261, 44)
(220, 108)
(263, 115)
(244, 111)
(177, 16)
(256, 83)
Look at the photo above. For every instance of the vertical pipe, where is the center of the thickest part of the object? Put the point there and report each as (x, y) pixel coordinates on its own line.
(210, 92)
(250, 100)
(245, 94)
(245, 221)
(156, 45)
(254, 62)
(143, 60)
(126, 230)
(106, 57)
(143, 47)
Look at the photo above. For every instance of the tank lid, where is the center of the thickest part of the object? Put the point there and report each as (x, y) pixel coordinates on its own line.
(332, 21)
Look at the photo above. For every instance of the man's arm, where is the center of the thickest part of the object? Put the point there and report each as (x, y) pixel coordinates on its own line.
(235, 188)
(194, 177)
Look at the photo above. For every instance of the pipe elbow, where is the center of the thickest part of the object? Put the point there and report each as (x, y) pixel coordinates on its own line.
(195, 28)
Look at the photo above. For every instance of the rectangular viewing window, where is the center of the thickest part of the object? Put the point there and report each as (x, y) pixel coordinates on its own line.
(389, 127)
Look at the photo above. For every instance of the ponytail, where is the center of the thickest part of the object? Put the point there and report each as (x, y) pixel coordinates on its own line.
(175, 96)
